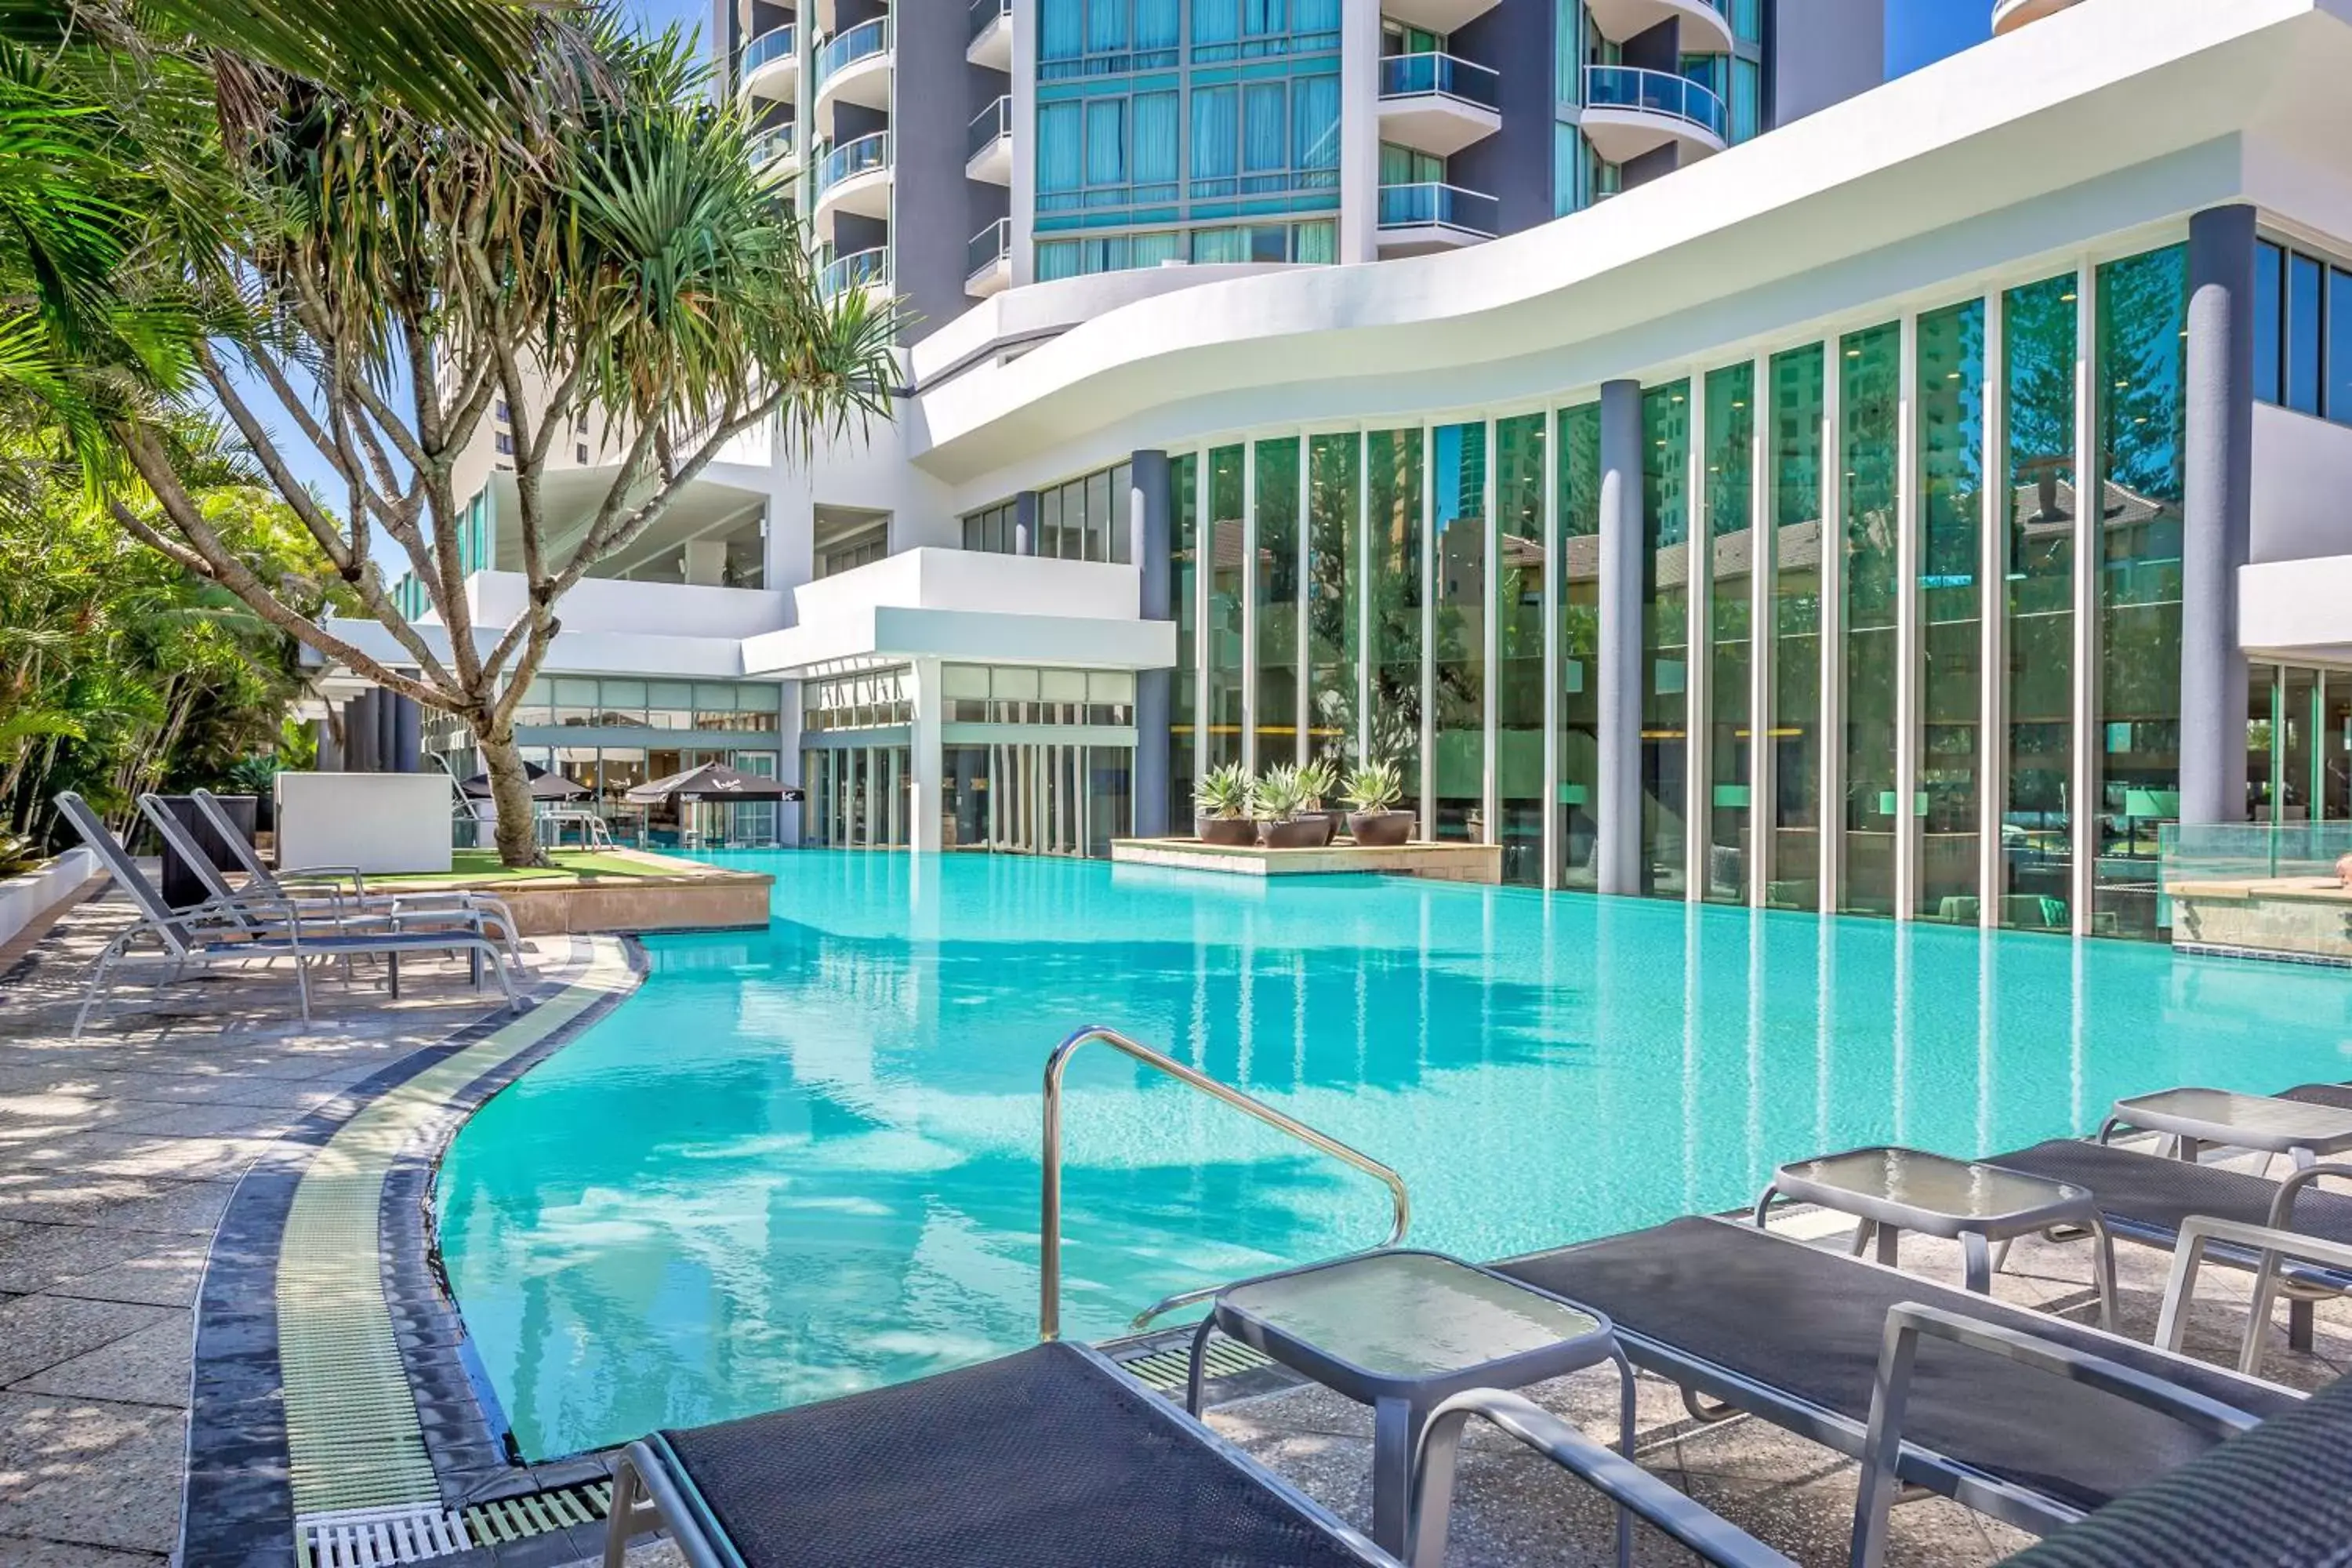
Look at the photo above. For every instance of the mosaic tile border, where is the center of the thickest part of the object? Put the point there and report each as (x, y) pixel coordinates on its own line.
(238, 1510)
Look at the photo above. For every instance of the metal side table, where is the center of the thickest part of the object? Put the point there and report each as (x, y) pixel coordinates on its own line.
(1891, 1190)
(1403, 1330)
(2195, 1117)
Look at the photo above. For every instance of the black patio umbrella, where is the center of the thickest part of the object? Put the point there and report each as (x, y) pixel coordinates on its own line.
(711, 782)
(544, 785)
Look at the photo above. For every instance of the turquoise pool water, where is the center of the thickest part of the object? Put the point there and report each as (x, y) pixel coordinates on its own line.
(805, 1162)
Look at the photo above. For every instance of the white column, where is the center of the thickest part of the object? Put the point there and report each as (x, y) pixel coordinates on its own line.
(1427, 805)
(2083, 798)
(1698, 665)
(1833, 720)
(1908, 658)
(1023, 205)
(1365, 652)
(1359, 134)
(1992, 627)
(1204, 560)
(1490, 803)
(1555, 564)
(925, 760)
(1763, 562)
(1305, 664)
(1249, 570)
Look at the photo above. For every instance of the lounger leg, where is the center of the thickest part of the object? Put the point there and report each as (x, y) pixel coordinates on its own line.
(1396, 1431)
(2299, 1322)
(1862, 1231)
(1625, 1446)
(1889, 1239)
(302, 985)
(98, 977)
(2103, 1265)
(1193, 1367)
(1978, 1264)
(392, 974)
(2001, 1254)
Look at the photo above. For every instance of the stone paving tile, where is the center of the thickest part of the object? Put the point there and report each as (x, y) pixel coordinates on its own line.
(37, 1256)
(148, 1367)
(86, 1472)
(171, 1208)
(201, 1121)
(164, 1275)
(21, 1551)
(37, 1332)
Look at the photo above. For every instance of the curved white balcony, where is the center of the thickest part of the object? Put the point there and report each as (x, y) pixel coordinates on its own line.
(1704, 30)
(987, 260)
(854, 177)
(991, 35)
(1415, 219)
(1437, 103)
(776, 152)
(867, 269)
(2008, 14)
(1628, 112)
(770, 65)
(1436, 16)
(988, 145)
(855, 67)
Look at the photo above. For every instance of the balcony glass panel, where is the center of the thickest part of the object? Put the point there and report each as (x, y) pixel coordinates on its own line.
(1410, 76)
(984, 14)
(988, 247)
(858, 157)
(775, 44)
(989, 123)
(1655, 92)
(1439, 205)
(865, 39)
(863, 267)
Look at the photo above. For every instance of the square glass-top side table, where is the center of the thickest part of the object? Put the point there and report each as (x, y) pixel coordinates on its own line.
(1891, 1189)
(2195, 1117)
(1402, 1330)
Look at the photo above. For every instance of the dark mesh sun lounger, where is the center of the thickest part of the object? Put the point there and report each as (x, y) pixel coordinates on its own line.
(1044, 1459)
(1793, 1334)
(2337, 1095)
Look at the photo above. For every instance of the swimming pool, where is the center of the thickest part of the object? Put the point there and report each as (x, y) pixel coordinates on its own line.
(804, 1161)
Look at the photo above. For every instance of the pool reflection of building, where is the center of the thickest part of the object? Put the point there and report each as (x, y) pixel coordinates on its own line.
(1721, 541)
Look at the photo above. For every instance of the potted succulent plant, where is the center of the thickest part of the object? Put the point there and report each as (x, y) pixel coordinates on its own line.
(1277, 800)
(1221, 808)
(1373, 791)
(1319, 781)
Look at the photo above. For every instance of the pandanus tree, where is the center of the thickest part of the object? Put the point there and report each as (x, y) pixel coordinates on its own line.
(366, 266)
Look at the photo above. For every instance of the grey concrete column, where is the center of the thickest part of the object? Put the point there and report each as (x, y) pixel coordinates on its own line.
(1618, 811)
(387, 731)
(360, 732)
(331, 750)
(2216, 509)
(408, 733)
(1024, 523)
(1150, 531)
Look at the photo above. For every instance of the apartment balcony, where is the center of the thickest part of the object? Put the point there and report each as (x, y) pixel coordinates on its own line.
(1628, 112)
(1706, 30)
(987, 260)
(988, 147)
(855, 67)
(1436, 103)
(1417, 219)
(991, 35)
(854, 177)
(770, 65)
(2012, 14)
(1436, 16)
(866, 269)
(776, 152)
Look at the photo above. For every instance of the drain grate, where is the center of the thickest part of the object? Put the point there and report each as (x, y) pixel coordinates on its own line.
(1163, 1370)
(384, 1537)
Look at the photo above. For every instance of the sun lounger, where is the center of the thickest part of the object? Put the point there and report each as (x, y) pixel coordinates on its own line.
(2338, 1096)
(238, 930)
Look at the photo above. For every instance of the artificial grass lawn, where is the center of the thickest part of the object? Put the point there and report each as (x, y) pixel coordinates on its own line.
(482, 866)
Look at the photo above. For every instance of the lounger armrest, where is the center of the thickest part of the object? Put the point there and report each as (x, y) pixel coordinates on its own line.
(326, 874)
(2199, 1231)
(1907, 1323)
(1613, 1476)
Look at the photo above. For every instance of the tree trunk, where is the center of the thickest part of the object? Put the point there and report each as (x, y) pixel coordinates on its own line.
(511, 792)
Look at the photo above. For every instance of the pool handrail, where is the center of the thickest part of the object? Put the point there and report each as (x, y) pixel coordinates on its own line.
(1049, 1224)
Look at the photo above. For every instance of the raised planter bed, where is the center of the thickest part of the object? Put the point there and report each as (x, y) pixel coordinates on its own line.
(2302, 920)
(613, 891)
(1438, 862)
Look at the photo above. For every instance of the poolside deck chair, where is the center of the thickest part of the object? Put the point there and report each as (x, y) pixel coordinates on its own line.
(242, 930)
(1793, 1334)
(291, 883)
(329, 913)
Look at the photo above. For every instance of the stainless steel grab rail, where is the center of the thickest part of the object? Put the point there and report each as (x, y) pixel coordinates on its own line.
(1049, 1225)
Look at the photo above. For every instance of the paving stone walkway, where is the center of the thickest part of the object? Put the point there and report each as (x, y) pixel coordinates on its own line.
(118, 1154)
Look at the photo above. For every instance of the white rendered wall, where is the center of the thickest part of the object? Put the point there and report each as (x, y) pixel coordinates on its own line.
(381, 823)
(2303, 487)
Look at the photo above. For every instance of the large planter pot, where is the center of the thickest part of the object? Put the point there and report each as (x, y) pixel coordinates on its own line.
(1299, 833)
(1233, 832)
(1336, 822)
(1380, 829)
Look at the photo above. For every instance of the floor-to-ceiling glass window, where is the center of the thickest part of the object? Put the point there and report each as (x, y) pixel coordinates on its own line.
(2298, 798)
(1578, 554)
(2336, 746)
(2142, 425)
(1335, 471)
(1459, 568)
(1730, 557)
(1220, 637)
(1869, 412)
(1666, 634)
(1393, 507)
(1798, 403)
(1519, 644)
(1274, 591)
(1184, 600)
(2262, 742)
(2037, 852)
(1951, 361)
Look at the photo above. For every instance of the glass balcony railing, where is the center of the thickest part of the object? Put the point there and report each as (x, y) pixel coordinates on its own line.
(1410, 76)
(989, 123)
(1655, 92)
(853, 158)
(859, 268)
(984, 14)
(1431, 205)
(775, 44)
(989, 247)
(862, 42)
(775, 147)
